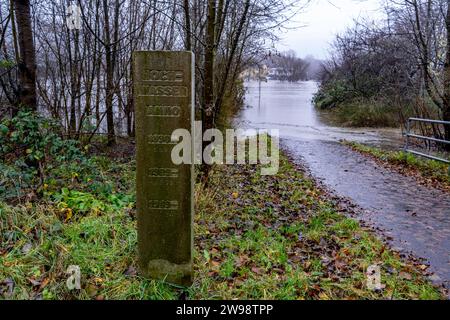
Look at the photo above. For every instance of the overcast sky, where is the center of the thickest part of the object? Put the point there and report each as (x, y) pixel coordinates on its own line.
(323, 20)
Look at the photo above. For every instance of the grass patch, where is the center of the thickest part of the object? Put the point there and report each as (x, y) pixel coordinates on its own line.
(427, 171)
(256, 237)
(363, 113)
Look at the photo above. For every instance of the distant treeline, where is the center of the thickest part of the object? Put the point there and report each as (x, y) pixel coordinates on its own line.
(380, 73)
(286, 66)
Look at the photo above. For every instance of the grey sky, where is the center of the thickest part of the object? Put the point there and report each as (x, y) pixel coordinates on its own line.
(323, 20)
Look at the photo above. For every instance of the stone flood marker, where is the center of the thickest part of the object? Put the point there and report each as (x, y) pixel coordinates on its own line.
(164, 101)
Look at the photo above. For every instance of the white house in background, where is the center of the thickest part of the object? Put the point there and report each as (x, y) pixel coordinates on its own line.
(277, 74)
(255, 73)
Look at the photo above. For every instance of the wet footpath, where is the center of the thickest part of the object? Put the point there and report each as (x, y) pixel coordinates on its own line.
(414, 218)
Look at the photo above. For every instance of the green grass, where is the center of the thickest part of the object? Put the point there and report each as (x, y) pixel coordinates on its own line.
(256, 237)
(363, 113)
(430, 170)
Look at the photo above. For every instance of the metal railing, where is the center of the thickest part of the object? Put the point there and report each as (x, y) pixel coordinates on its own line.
(410, 135)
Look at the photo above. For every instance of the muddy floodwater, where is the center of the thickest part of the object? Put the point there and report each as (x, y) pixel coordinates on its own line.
(416, 218)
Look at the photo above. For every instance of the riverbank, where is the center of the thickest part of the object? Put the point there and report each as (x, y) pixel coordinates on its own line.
(427, 172)
(360, 114)
(256, 237)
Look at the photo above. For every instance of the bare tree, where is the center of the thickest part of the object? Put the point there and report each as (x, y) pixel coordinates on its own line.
(84, 76)
(27, 63)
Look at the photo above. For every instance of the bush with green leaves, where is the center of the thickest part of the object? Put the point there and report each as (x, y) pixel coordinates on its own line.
(7, 64)
(31, 147)
(37, 139)
(85, 203)
(332, 93)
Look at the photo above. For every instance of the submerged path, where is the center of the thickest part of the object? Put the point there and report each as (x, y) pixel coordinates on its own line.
(415, 218)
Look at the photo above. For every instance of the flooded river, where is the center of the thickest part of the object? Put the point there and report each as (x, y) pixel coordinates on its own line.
(417, 218)
(287, 107)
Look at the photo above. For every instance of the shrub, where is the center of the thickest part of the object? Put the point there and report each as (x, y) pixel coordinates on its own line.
(349, 108)
(35, 138)
(367, 113)
(31, 146)
(331, 94)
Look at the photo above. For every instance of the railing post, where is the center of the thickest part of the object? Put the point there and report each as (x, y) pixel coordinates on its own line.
(408, 131)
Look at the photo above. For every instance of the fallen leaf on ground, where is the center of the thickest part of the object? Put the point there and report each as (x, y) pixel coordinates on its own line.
(405, 276)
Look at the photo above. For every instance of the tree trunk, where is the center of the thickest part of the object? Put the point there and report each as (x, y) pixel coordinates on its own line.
(446, 102)
(187, 25)
(208, 84)
(27, 63)
(109, 78)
